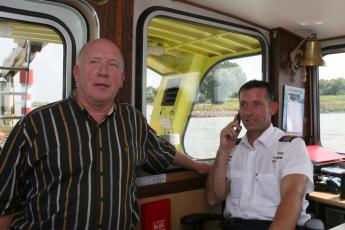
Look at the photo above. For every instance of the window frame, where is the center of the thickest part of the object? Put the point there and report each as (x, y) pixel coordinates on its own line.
(141, 41)
(58, 15)
(143, 22)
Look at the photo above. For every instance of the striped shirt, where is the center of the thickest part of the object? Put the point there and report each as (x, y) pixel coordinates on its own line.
(59, 169)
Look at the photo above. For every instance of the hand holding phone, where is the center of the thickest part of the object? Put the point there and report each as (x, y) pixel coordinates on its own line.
(229, 134)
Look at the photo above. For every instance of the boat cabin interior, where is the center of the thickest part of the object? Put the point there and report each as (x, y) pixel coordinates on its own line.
(184, 63)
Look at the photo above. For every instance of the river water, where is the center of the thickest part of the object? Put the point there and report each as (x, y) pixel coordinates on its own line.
(202, 135)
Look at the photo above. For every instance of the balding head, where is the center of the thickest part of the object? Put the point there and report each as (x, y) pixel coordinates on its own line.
(100, 42)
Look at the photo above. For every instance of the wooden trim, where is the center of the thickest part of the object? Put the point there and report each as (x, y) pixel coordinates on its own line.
(331, 38)
(327, 198)
(171, 187)
(282, 29)
(118, 22)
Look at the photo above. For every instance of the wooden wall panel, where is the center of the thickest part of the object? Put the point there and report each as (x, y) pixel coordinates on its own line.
(185, 203)
(282, 43)
(116, 24)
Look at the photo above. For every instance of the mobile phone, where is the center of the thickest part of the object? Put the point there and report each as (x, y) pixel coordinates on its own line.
(237, 119)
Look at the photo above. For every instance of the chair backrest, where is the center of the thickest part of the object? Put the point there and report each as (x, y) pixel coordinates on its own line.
(198, 220)
(314, 224)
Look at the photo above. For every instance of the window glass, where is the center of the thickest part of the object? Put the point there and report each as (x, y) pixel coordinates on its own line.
(194, 72)
(31, 70)
(332, 102)
(217, 104)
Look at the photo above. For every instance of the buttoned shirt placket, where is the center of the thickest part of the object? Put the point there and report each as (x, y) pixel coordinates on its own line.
(248, 180)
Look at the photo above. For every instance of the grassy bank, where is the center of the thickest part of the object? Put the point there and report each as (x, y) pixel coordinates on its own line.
(328, 104)
(227, 108)
(230, 104)
(334, 103)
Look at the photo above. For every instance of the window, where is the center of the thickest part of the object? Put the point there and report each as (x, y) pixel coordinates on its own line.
(332, 102)
(217, 103)
(193, 71)
(31, 70)
(38, 44)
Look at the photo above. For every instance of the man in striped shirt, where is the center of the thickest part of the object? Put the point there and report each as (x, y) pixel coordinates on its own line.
(72, 164)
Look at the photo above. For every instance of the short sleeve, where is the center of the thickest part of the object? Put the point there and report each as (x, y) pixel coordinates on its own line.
(297, 161)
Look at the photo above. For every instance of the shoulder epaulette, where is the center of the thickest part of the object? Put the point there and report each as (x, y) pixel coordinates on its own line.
(287, 138)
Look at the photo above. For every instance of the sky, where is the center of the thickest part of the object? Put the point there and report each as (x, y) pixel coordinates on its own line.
(334, 67)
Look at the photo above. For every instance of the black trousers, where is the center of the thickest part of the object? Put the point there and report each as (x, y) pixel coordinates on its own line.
(244, 224)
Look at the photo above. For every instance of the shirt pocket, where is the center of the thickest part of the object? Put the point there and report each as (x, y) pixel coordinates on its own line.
(236, 181)
(266, 190)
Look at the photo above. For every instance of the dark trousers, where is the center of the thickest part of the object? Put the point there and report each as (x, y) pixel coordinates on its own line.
(244, 224)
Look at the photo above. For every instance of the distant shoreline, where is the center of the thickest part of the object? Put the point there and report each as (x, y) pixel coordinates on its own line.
(208, 111)
(213, 113)
(231, 113)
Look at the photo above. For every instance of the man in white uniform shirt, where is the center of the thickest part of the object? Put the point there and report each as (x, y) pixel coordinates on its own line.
(263, 179)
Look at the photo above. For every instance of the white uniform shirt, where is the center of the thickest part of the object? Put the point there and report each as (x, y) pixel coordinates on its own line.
(255, 174)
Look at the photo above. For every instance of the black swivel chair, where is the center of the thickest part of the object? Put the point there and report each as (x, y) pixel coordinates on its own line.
(197, 221)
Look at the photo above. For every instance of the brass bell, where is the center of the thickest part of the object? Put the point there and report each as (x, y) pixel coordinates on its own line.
(312, 53)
